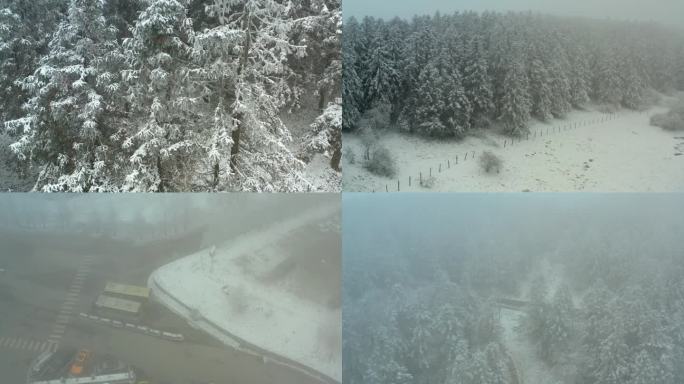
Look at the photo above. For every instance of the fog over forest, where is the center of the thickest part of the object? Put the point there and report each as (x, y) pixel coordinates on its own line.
(663, 11)
(516, 288)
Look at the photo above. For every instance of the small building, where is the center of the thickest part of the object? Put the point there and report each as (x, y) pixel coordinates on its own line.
(125, 291)
(117, 308)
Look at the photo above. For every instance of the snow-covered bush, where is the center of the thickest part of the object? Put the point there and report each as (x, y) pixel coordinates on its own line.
(428, 182)
(489, 162)
(673, 120)
(381, 162)
(326, 136)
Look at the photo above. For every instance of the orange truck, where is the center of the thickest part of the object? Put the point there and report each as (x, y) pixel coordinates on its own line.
(80, 361)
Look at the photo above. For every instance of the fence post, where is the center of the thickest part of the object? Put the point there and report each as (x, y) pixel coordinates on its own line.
(398, 189)
(409, 181)
(439, 170)
(386, 189)
(421, 178)
(448, 163)
(430, 171)
(504, 143)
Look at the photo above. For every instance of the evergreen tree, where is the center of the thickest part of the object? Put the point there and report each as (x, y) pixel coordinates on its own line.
(540, 90)
(253, 84)
(515, 104)
(352, 92)
(161, 93)
(476, 82)
(67, 127)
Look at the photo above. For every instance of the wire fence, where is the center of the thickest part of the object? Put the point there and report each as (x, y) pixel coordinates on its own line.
(427, 178)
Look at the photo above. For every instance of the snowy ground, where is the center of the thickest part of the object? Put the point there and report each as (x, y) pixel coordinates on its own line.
(277, 289)
(587, 151)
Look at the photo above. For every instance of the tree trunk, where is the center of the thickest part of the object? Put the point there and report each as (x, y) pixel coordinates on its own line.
(216, 175)
(161, 186)
(235, 148)
(321, 99)
(335, 159)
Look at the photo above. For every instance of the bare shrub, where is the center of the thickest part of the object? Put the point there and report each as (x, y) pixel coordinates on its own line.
(369, 140)
(381, 162)
(428, 182)
(490, 162)
(349, 155)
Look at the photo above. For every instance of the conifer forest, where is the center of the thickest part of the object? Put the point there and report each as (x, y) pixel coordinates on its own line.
(443, 75)
(170, 95)
(463, 289)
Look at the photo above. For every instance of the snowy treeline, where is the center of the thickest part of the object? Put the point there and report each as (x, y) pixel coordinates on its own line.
(443, 75)
(167, 95)
(422, 296)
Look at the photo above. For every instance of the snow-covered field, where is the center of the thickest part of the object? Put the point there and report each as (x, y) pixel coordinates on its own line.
(587, 151)
(276, 290)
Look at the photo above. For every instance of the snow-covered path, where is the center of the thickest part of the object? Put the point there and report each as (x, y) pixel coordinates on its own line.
(587, 151)
(531, 370)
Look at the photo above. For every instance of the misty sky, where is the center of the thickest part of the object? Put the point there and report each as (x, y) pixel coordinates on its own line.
(665, 11)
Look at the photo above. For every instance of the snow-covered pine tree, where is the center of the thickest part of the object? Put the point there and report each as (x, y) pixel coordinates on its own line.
(163, 140)
(326, 136)
(66, 129)
(428, 103)
(476, 82)
(558, 331)
(26, 28)
(418, 53)
(381, 83)
(252, 79)
(352, 91)
(560, 83)
(515, 103)
(318, 26)
(607, 87)
(540, 89)
(579, 83)
(633, 89)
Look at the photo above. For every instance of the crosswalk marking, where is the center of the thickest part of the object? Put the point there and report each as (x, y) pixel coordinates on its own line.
(24, 344)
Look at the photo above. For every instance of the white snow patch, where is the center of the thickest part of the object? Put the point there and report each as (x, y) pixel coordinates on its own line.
(621, 154)
(226, 295)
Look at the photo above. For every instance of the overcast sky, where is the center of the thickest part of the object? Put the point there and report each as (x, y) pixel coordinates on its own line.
(665, 11)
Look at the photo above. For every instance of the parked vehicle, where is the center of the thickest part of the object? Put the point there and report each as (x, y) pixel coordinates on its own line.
(80, 361)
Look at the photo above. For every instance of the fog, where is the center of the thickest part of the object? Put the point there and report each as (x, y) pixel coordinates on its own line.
(513, 288)
(663, 11)
(147, 217)
(57, 252)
